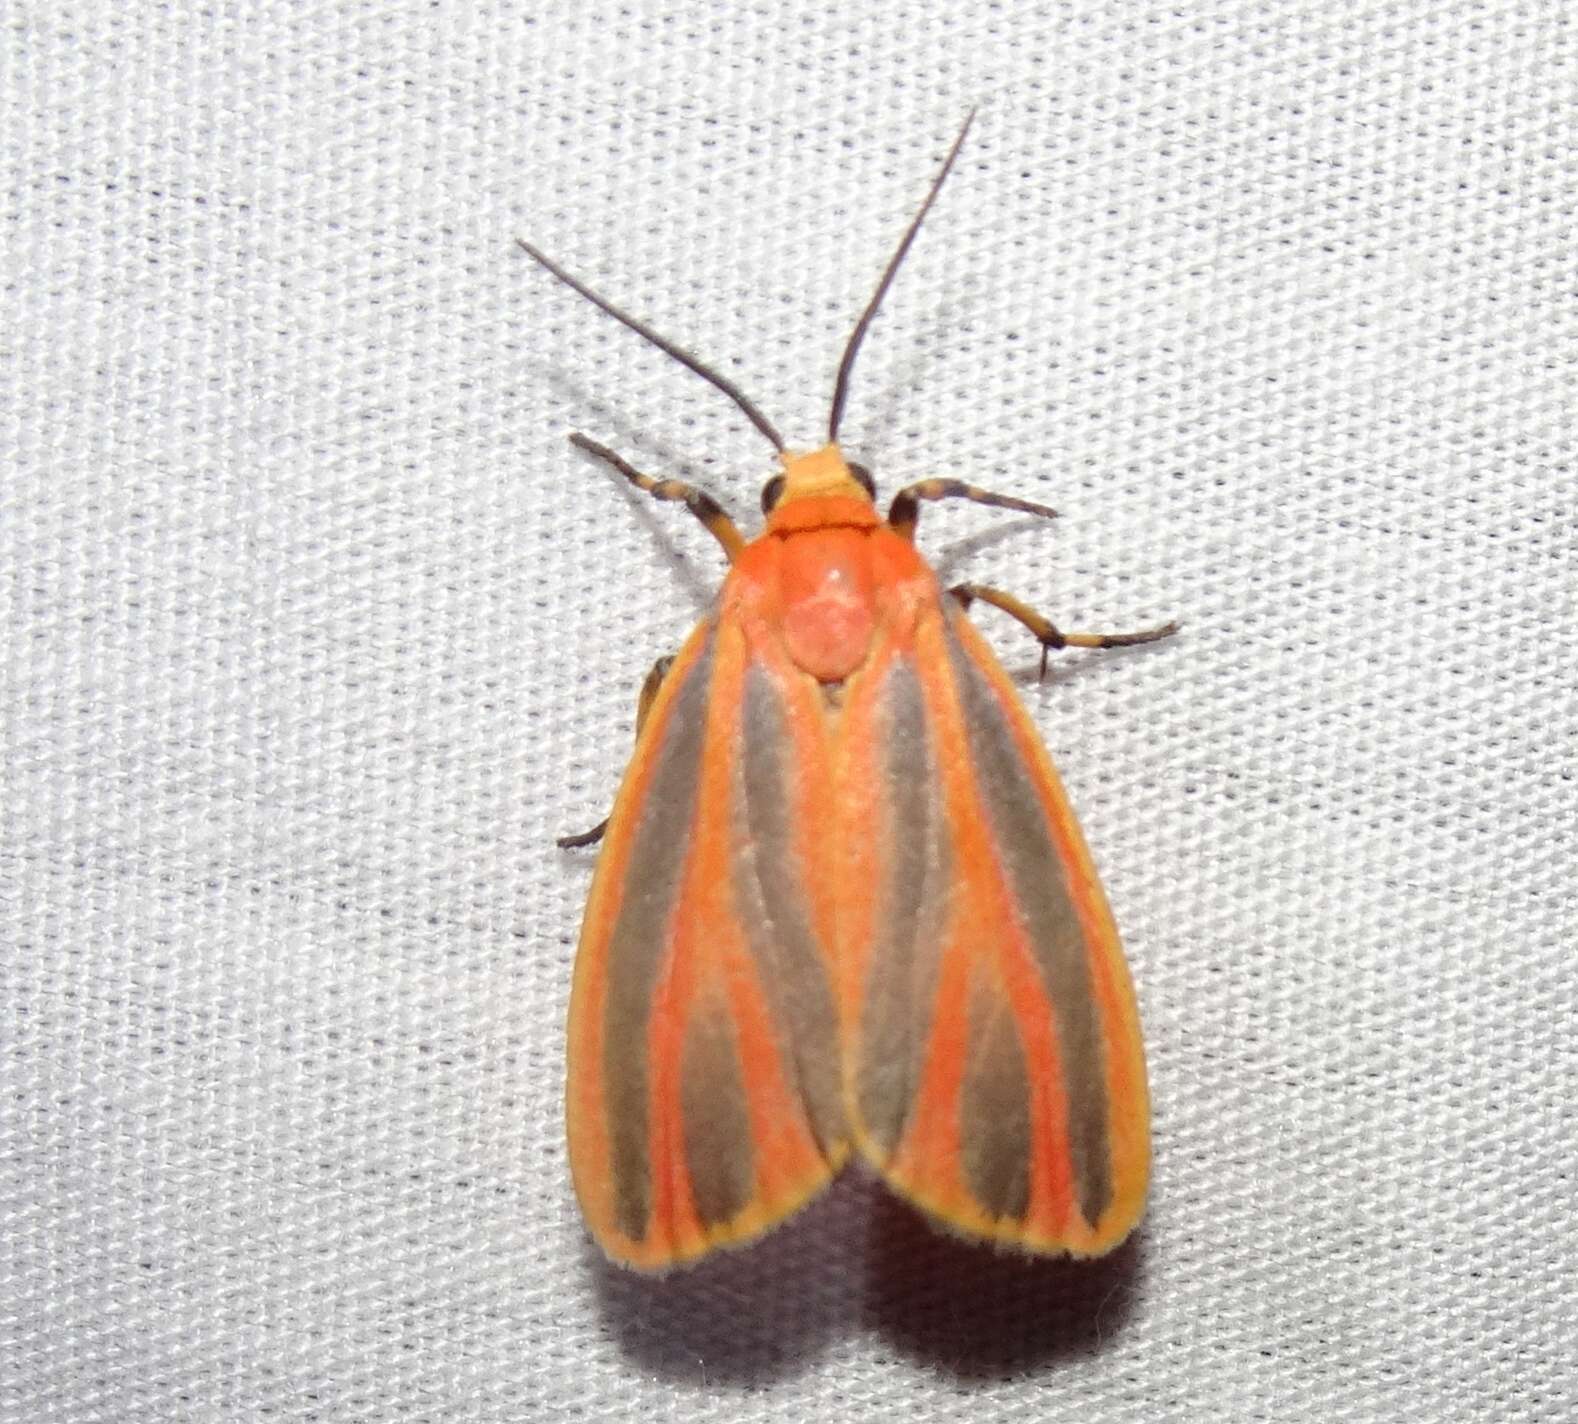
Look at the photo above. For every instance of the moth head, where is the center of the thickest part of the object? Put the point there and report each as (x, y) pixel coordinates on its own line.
(821, 474)
(819, 488)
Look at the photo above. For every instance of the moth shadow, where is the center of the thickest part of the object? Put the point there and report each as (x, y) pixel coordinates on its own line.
(980, 1314)
(743, 1317)
(960, 551)
(857, 1259)
(651, 456)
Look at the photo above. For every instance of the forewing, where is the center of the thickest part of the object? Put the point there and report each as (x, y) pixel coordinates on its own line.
(704, 1098)
(994, 1070)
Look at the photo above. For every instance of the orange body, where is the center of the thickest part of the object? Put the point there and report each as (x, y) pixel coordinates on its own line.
(843, 907)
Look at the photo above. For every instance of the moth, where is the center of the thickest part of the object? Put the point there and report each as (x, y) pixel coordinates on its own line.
(842, 907)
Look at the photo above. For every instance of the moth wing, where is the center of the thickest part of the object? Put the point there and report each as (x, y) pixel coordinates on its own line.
(995, 1075)
(704, 1098)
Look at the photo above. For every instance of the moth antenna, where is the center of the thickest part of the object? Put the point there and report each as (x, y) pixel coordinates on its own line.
(663, 344)
(841, 387)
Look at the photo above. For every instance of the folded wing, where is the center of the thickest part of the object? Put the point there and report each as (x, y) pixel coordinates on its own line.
(704, 1096)
(994, 1070)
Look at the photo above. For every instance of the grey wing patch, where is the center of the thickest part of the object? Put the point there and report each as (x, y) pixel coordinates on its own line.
(717, 1124)
(1037, 882)
(770, 898)
(994, 1105)
(897, 1002)
(637, 943)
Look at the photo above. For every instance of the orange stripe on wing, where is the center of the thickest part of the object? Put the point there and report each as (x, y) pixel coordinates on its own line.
(994, 939)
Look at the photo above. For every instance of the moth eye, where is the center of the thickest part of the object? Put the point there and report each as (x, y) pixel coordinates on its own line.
(861, 473)
(772, 492)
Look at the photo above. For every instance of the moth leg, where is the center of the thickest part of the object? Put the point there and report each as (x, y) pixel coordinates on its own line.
(1050, 638)
(904, 512)
(648, 695)
(697, 501)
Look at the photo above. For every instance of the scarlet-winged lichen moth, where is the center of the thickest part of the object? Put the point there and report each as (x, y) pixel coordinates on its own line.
(842, 905)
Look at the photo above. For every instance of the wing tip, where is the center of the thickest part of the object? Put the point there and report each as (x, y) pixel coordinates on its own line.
(962, 1221)
(1009, 1237)
(655, 1256)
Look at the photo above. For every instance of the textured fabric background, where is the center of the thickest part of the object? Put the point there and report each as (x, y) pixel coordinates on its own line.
(314, 633)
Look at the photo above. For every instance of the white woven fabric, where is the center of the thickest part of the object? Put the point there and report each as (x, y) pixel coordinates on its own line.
(314, 633)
